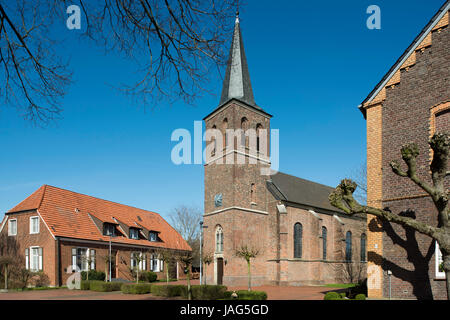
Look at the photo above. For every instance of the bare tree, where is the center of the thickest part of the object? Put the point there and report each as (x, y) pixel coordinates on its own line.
(207, 259)
(247, 253)
(359, 176)
(186, 259)
(342, 196)
(175, 43)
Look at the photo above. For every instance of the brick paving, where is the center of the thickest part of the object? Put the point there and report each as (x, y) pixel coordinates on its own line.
(273, 293)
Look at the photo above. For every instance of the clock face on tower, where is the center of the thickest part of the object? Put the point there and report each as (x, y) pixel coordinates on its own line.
(218, 200)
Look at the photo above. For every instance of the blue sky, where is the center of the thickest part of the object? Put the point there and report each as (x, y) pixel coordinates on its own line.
(311, 64)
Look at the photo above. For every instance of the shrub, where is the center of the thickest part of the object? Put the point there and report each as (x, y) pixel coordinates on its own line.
(136, 288)
(332, 296)
(343, 295)
(360, 297)
(93, 275)
(169, 290)
(102, 286)
(207, 292)
(40, 279)
(147, 276)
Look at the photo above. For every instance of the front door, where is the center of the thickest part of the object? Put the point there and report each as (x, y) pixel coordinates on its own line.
(219, 271)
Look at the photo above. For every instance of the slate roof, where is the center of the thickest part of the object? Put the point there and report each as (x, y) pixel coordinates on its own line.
(237, 83)
(297, 190)
(75, 215)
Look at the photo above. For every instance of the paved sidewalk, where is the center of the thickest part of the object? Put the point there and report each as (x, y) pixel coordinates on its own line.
(273, 293)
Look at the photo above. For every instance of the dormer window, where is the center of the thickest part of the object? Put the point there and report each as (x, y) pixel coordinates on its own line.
(109, 230)
(134, 233)
(152, 236)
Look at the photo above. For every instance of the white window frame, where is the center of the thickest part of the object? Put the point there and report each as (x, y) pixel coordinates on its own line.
(31, 225)
(9, 227)
(438, 261)
(82, 263)
(32, 256)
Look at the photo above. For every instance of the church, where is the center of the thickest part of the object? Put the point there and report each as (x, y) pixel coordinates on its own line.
(300, 239)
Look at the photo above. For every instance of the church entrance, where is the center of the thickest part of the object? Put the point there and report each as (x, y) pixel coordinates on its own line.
(219, 262)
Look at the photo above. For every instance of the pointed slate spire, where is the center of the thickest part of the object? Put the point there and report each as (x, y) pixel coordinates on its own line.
(237, 78)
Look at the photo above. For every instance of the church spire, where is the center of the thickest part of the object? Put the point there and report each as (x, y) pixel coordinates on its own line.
(237, 78)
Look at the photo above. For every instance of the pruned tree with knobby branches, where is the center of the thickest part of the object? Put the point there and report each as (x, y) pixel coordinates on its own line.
(247, 253)
(186, 259)
(342, 197)
(174, 44)
(207, 259)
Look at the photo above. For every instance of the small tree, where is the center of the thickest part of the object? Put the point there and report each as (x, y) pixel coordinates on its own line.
(207, 259)
(6, 261)
(247, 254)
(166, 256)
(342, 196)
(186, 259)
(88, 259)
(138, 257)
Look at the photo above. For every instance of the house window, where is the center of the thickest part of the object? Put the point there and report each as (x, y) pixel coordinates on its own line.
(154, 263)
(252, 193)
(109, 230)
(134, 233)
(298, 233)
(138, 259)
(34, 225)
(348, 246)
(440, 273)
(324, 243)
(219, 239)
(259, 127)
(33, 259)
(82, 259)
(225, 135)
(363, 247)
(152, 236)
(12, 227)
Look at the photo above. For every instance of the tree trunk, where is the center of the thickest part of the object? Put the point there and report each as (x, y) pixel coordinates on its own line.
(446, 260)
(249, 276)
(189, 284)
(6, 277)
(167, 271)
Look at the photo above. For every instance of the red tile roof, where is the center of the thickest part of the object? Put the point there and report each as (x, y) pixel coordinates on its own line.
(67, 215)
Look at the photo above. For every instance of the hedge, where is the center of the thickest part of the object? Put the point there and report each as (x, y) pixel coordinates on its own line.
(207, 292)
(169, 290)
(147, 276)
(93, 275)
(332, 296)
(247, 295)
(360, 297)
(102, 286)
(85, 285)
(136, 288)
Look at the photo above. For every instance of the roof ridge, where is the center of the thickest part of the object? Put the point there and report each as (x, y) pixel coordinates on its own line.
(287, 174)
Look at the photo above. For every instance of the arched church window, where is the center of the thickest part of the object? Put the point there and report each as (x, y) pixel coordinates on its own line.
(324, 243)
(348, 246)
(224, 130)
(219, 239)
(298, 233)
(363, 247)
(244, 128)
(214, 142)
(252, 193)
(259, 127)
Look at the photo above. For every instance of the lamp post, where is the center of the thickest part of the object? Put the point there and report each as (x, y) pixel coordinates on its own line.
(201, 260)
(109, 257)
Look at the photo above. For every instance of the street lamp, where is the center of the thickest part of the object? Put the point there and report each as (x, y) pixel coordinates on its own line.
(201, 262)
(201, 258)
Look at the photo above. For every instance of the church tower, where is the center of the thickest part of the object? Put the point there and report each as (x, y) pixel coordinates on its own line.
(236, 206)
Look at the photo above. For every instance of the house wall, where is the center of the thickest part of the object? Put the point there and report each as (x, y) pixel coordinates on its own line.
(406, 113)
(43, 239)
